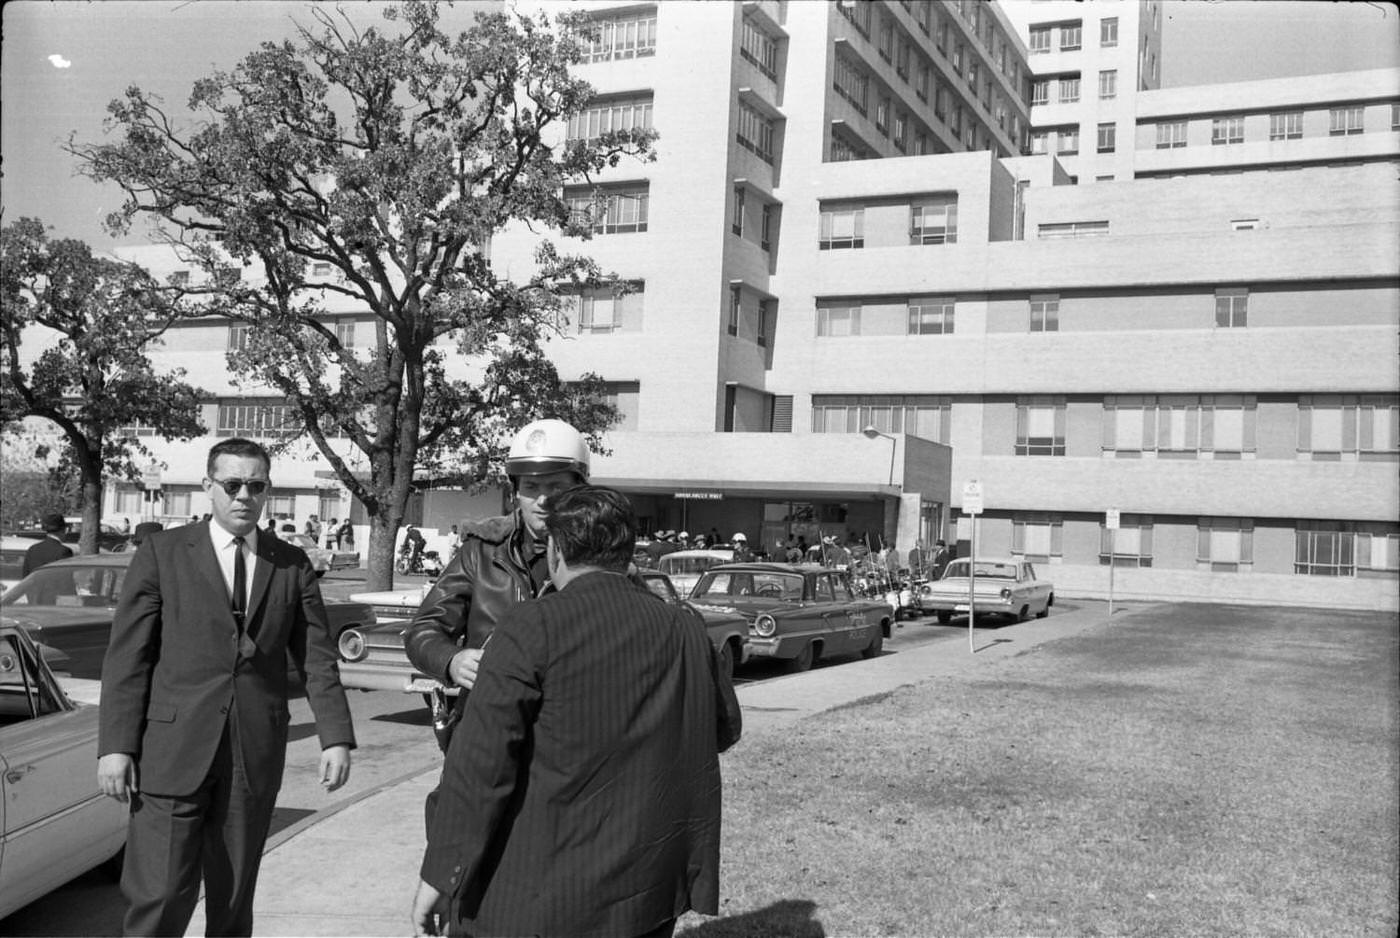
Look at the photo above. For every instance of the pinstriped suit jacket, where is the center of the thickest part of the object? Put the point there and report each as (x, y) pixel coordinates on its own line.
(581, 793)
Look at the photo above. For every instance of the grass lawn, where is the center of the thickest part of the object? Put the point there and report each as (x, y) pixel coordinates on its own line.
(1188, 770)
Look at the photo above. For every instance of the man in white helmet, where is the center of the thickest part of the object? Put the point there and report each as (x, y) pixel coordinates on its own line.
(501, 561)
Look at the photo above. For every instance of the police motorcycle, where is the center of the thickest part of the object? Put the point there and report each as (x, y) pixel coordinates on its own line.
(428, 562)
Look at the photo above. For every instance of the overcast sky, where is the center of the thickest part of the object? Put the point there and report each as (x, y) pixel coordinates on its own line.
(63, 60)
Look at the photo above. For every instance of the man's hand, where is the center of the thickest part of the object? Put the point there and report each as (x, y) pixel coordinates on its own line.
(335, 767)
(464, 665)
(116, 776)
(429, 911)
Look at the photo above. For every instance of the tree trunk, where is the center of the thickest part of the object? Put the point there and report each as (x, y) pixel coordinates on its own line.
(379, 571)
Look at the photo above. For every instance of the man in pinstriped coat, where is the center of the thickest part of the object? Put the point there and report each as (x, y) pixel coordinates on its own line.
(581, 792)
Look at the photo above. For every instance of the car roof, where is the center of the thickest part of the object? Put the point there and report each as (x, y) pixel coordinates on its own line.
(121, 559)
(722, 553)
(773, 568)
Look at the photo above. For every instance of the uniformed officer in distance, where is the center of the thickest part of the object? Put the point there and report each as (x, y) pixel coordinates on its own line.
(500, 563)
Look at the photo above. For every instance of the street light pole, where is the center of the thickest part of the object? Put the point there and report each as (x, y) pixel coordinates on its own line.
(871, 433)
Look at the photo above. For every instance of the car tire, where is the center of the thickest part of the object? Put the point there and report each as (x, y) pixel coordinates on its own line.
(877, 645)
(804, 660)
(724, 658)
(1023, 613)
(944, 617)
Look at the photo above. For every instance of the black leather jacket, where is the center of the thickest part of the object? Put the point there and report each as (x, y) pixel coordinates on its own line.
(487, 577)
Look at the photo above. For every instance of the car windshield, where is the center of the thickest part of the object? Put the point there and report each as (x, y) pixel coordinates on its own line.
(672, 565)
(57, 585)
(661, 587)
(997, 571)
(727, 585)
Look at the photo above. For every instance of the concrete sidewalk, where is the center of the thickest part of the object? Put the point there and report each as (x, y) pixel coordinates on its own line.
(352, 869)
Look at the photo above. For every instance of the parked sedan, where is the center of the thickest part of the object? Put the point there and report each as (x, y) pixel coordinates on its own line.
(68, 605)
(56, 824)
(323, 559)
(796, 612)
(685, 566)
(109, 536)
(1004, 587)
(374, 659)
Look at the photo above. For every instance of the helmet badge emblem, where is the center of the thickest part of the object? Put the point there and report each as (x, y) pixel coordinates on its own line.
(536, 442)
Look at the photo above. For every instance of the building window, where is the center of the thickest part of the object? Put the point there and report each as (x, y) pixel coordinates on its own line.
(842, 228)
(1225, 545)
(238, 335)
(1040, 426)
(931, 316)
(1346, 120)
(901, 60)
(884, 40)
(851, 83)
(858, 14)
(345, 332)
(1395, 117)
(623, 36)
(755, 132)
(843, 150)
(924, 416)
(608, 308)
(1171, 134)
(1070, 36)
(882, 115)
(1039, 141)
(957, 61)
(1176, 426)
(617, 114)
(1045, 312)
(227, 276)
(1108, 135)
(1108, 83)
(765, 239)
(1040, 39)
(900, 137)
(257, 420)
(736, 297)
(1069, 90)
(1333, 425)
(1232, 308)
(921, 82)
(1128, 546)
(1037, 537)
(765, 308)
(838, 321)
(921, 14)
(1378, 550)
(934, 221)
(1108, 31)
(1324, 548)
(759, 48)
(973, 72)
(1067, 141)
(940, 41)
(1286, 126)
(736, 224)
(610, 210)
(1072, 229)
(1226, 130)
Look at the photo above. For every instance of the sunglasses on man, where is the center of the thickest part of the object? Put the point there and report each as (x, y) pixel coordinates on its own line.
(233, 486)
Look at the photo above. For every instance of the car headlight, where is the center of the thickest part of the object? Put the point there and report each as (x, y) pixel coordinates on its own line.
(1005, 592)
(765, 625)
(352, 645)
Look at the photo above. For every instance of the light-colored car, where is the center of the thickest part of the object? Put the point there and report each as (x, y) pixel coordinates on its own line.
(12, 551)
(323, 559)
(683, 567)
(57, 825)
(1004, 586)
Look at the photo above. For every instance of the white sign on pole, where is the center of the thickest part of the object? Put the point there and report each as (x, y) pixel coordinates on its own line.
(972, 498)
(1112, 519)
(150, 478)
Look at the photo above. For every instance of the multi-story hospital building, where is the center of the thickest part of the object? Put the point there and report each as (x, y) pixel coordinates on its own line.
(888, 248)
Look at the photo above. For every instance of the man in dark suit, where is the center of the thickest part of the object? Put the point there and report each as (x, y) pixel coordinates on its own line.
(194, 701)
(49, 549)
(581, 793)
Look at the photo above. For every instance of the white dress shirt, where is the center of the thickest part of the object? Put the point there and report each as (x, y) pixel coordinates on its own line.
(223, 548)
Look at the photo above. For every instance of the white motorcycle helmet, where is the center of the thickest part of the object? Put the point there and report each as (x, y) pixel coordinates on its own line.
(546, 446)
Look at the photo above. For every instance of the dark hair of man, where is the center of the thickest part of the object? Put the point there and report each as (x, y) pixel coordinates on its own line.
(592, 526)
(237, 446)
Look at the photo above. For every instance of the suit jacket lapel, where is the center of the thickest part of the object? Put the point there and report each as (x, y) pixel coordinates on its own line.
(262, 576)
(206, 561)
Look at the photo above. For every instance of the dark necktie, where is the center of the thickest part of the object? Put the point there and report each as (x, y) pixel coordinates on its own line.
(240, 583)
